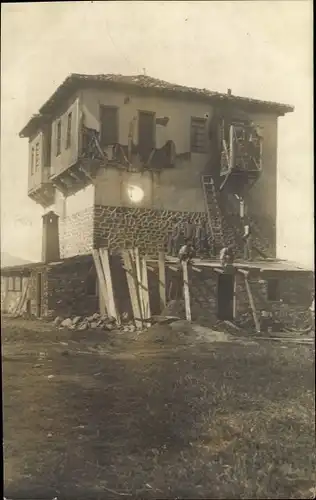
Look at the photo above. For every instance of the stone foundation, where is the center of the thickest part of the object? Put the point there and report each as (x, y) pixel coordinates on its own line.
(146, 229)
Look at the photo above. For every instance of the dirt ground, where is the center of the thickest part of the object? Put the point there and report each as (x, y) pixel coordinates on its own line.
(100, 415)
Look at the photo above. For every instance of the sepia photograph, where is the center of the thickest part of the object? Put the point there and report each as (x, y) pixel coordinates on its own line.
(157, 250)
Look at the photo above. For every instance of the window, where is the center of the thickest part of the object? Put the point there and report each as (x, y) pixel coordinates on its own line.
(37, 156)
(10, 284)
(109, 125)
(32, 160)
(68, 138)
(58, 138)
(15, 284)
(273, 290)
(146, 133)
(198, 135)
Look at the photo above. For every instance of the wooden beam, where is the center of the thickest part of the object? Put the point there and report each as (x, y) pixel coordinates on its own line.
(218, 270)
(105, 261)
(196, 269)
(242, 271)
(145, 290)
(162, 280)
(22, 300)
(76, 177)
(86, 173)
(132, 288)
(173, 268)
(139, 283)
(101, 279)
(252, 305)
(186, 291)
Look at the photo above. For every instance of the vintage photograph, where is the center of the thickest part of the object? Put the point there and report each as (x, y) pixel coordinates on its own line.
(157, 250)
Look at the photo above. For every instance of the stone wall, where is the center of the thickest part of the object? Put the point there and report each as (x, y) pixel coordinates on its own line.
(147, 229)
(67, 288)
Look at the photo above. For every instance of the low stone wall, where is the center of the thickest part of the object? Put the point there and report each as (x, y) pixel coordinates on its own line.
(67, 289)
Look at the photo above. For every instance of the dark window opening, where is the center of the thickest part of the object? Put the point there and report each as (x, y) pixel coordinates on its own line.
(198, 135)
(109, 125)
(37, 156)
(146, 133)
(58, 138)
(32, 160)
(47, 146)
(68, 138)
(91, 283)
(273, 290)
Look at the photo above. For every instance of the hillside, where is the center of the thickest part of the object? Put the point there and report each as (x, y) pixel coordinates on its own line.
(10, 260)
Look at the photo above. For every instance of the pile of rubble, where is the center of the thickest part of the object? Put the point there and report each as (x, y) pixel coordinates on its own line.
(95, 321)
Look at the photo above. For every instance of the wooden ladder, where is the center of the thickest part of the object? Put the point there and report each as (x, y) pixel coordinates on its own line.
(214, 216)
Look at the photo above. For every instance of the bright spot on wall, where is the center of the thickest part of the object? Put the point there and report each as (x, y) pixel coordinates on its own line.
(135, 194)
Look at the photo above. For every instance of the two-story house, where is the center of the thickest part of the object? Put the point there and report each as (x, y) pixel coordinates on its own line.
(132, 161)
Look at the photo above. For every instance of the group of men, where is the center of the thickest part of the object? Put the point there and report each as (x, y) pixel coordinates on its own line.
(227, 254)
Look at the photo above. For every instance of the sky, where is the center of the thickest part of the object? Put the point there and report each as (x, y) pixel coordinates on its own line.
(258, 49)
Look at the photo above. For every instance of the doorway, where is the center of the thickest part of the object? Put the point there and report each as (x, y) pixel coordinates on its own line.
(225, 297)
(39, 295)
(146, 133)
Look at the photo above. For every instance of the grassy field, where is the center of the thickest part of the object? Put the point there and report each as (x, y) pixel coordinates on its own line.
(100, 415)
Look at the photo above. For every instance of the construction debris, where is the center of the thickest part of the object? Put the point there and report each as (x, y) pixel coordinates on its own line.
(94, 321)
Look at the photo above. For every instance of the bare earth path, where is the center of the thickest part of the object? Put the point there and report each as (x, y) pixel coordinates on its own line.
(96, 415)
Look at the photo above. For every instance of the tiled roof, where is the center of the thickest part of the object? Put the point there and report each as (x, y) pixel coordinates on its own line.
(149, 85)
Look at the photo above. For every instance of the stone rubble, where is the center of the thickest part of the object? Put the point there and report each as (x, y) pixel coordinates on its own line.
(95, 321)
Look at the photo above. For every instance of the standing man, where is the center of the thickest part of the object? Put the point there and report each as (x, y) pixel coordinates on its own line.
(247, 237)
(173, 240)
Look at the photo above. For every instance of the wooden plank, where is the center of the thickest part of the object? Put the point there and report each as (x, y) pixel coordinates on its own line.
(139, 282)
(145, 293)
(242, 271)
(101, 279)
(218, 270)
(196, 269)
(162, 280)
(132, 288)
(135, 266)
(186, 291)
(22, 300)
(105, 261)
(252, 305)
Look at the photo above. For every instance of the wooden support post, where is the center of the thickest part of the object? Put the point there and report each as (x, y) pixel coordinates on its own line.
(235, 298)
(22, 300)
(139, 279)
(162, 280)
(105, 261)
(145, 290)
(252, 305)
(131, 279)
(135, 266)
(101, 279)
(186, 291)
